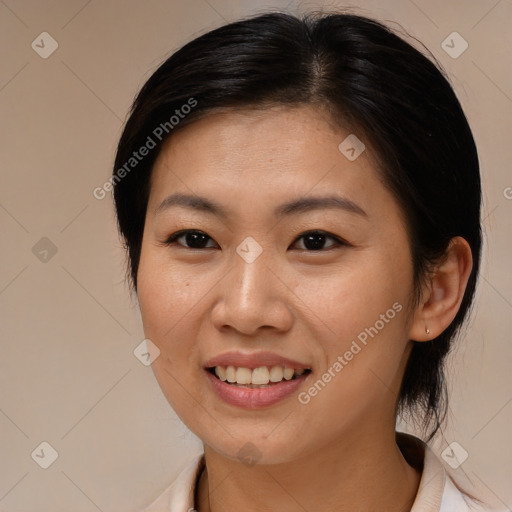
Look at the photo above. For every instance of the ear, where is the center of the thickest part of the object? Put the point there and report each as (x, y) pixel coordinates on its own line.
(443, 293)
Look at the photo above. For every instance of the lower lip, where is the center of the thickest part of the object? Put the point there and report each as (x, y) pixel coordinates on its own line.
(255, 398)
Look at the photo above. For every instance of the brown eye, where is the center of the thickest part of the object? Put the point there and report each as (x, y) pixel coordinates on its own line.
(311, 241)
(315, 241)
(192, 239)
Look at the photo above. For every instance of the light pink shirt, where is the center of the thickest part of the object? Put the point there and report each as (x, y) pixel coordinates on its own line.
(436, 493)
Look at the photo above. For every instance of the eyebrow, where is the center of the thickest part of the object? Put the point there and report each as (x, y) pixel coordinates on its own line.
(301, 205)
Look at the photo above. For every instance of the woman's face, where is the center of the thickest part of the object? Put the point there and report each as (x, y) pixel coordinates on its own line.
(305, 264)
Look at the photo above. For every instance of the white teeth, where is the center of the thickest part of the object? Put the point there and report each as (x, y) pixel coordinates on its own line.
(231, 374)
(220, 371)
(276, 374)
(243, 376)
(260, 376)
(288, 373)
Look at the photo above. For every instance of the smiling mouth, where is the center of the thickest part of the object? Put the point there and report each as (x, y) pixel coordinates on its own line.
(261, 377)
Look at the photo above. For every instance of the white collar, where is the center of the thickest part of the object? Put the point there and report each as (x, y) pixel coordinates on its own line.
(437, 491)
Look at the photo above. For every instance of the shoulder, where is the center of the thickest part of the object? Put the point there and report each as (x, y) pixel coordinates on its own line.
(179, 496)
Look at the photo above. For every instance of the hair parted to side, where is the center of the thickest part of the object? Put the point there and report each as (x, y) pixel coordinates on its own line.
(369, 80)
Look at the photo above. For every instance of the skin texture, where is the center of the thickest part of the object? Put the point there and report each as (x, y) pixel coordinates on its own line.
(338, 452)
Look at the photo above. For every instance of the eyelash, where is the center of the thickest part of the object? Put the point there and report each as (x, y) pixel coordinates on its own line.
(172, 240)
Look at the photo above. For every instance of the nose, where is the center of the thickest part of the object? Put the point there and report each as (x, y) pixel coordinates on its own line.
(253, 297)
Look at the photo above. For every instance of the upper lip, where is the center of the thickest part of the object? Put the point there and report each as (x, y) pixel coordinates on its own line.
(254, 360)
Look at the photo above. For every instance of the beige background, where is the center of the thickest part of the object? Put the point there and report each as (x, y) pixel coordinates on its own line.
(68, 375)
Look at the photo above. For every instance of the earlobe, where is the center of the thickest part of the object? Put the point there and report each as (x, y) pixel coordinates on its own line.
(443, 293)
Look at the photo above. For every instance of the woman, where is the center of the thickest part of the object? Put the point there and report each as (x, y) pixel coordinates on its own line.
(300, 201)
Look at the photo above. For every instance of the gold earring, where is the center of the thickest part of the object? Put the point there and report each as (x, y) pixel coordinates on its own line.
(427, 330)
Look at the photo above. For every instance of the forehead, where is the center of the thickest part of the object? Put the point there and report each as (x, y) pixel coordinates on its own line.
(254, 155)
(252, 138)
(275, 129)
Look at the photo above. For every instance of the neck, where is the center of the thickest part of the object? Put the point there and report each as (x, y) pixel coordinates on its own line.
(362, 472)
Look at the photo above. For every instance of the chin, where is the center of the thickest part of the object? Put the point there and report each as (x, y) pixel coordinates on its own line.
(250, 450)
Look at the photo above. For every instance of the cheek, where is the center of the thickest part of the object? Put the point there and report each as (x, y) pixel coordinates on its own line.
(365, 308)
(166, 300)
(164, 294)
(348, 298)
